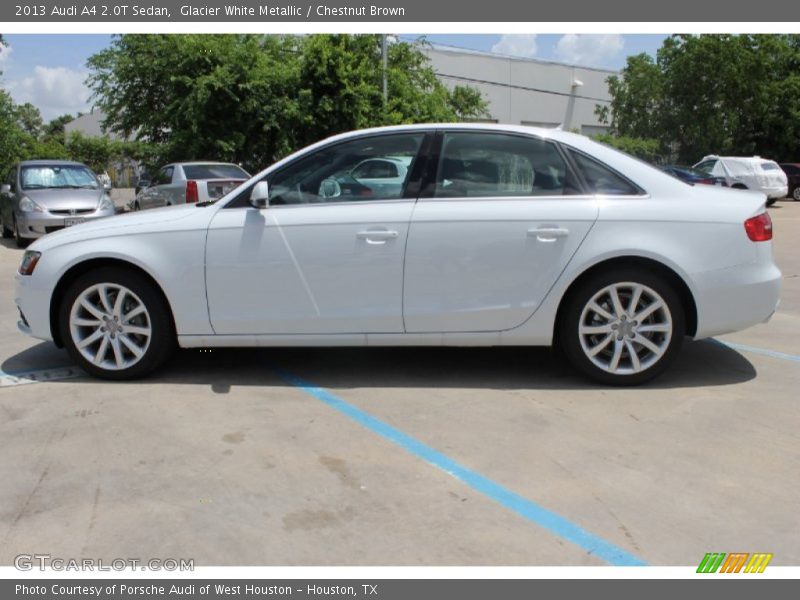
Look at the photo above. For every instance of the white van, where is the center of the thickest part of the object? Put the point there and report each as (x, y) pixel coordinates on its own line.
(748, 173)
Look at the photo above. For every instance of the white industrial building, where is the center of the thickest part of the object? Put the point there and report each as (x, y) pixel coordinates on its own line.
(524, 91)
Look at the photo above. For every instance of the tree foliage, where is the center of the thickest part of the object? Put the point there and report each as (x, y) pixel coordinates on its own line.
(712, 94)
(251, 99)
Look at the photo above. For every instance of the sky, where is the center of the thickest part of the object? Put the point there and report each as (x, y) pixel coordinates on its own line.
(49, 70)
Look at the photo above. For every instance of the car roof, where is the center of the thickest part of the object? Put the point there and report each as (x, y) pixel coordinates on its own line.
(202, 162)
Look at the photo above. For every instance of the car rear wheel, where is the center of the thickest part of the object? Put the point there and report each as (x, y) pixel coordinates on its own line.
(115, 324)
(622, 327)
(796, 193)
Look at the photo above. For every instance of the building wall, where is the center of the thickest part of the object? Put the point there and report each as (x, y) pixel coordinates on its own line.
(526, 91)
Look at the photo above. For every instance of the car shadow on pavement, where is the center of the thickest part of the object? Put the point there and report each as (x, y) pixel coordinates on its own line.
(700, 364)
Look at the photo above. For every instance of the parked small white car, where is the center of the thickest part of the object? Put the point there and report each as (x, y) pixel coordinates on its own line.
(748, 173)
(498, 235)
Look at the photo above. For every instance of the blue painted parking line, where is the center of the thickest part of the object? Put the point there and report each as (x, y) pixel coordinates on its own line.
(525, 508)
(757, 350)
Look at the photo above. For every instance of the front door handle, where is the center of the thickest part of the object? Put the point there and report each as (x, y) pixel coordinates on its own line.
(548, 234)
(377, 236)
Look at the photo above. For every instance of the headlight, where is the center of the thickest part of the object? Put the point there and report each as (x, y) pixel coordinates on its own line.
(28, 205)
(29, 261)
(105, 203)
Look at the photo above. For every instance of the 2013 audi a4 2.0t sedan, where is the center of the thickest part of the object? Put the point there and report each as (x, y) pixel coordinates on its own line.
(481, 236)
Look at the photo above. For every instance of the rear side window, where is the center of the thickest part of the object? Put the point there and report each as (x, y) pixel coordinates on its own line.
(602, 180)
(164, 176)
(770, 166)
(501, 165)
(706, 167)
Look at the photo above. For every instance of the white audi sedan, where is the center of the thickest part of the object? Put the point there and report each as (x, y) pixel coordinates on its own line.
(496, 235)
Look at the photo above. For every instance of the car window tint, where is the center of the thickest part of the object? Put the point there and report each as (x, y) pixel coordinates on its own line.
(366, 168)
(602, 180)
(212, 171)
(706, 167)
(164, 176)
(474, 164)
(770, 166)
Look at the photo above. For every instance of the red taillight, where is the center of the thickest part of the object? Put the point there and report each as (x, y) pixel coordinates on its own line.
(706, 181)
(191, 192)
(759, 228)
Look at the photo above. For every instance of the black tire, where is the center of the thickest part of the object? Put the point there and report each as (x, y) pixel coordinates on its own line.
(796, 193)
(162, 340)
(7, 232)
(771, 201)
(18, 239)
(571, 342)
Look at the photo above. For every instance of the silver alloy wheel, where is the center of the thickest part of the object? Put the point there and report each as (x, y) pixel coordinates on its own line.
(796, 193)
(625, 328)
(110, 326)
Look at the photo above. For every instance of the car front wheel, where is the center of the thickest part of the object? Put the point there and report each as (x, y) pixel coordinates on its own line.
(796, 193)
(115, 324)
(622, 327)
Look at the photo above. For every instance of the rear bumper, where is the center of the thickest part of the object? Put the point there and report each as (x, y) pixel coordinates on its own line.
(737, 298)
(777, 192)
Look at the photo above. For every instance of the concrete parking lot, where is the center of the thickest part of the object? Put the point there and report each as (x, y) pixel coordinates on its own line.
(340, 456)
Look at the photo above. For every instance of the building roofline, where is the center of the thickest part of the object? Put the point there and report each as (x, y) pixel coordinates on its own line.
(460, 50)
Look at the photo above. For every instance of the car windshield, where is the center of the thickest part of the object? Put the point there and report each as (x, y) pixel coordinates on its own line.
(212, 171)
(57, 176)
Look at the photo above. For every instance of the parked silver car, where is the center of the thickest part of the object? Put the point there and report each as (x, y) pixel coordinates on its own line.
(188, 182)
(41, 196)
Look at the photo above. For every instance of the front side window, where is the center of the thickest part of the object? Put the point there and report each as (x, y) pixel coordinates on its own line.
(476, 164)
(602, 180)
(57, 176)
(367, 168)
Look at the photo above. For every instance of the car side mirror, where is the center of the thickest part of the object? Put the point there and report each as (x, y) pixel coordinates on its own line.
(5, 189)
(259, 196)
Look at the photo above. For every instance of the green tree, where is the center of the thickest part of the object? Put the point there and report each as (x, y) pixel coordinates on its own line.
(251, 99)
(720, 94)
(55, 128)
(29, 119)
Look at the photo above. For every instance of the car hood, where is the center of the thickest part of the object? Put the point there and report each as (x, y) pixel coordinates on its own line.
(160, 220)
(66, 198)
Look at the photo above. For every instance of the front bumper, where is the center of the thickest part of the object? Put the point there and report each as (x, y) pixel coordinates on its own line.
(33, 225)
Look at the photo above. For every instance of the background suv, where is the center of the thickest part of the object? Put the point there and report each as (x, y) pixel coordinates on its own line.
(748, 173)
(792, 171)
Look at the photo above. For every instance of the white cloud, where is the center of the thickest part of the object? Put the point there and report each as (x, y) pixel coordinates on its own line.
(5, 54)
(517, 45)
(54, 90)
(589, 50)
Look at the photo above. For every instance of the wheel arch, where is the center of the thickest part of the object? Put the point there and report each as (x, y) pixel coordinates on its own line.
(670, 275)
(84, 267)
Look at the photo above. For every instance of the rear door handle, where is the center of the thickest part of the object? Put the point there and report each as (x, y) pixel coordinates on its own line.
(377, 236)
(548, 234)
